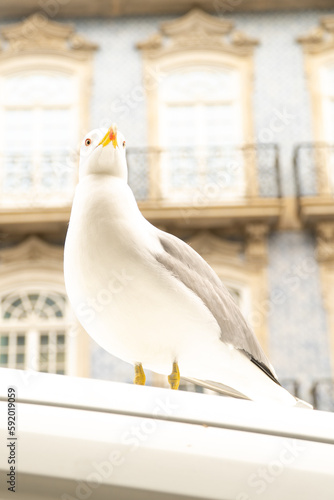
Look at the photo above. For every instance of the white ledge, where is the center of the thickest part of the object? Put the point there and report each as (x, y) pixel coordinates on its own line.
(84, 438)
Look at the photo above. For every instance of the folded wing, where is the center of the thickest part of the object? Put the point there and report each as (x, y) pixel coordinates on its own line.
(189, 267)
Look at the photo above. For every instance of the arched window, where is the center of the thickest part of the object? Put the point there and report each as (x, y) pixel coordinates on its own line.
(200, 107)
(34, 328)
(200, 124)
(45, 81)
(38, 127)
(198, 81)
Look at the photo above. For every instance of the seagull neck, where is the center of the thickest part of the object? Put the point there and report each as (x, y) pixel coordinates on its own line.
(106, 190)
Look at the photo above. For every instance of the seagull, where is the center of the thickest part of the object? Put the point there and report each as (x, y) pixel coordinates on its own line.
(146, 296)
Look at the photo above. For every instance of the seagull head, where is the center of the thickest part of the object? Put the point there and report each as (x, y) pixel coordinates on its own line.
(102, 151)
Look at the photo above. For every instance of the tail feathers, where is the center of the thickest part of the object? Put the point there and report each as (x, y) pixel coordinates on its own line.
(302, 404)
(217, 387)
(229, 391)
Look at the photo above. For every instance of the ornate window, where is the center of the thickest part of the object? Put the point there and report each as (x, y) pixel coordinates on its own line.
(44, 79)
(38, 330)
(318, 47)
(200, 121)
(33, 332)
(197, 75)
(37, 129)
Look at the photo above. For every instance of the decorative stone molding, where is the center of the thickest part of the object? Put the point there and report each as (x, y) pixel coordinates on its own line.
(256, 243)
(206, 243)
(38, 34)
(325, 241)
(196, 40)
(32, 249)
(320, 38)
(198, 30)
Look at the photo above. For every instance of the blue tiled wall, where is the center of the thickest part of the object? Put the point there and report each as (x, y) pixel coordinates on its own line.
(298, 343)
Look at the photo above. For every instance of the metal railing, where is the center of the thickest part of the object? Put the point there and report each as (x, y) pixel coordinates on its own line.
(314, 169)
(215, 174)
(322, 394)
(187, 175)
(36, 179)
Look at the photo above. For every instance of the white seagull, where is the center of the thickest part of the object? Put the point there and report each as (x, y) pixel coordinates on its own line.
(146, 296)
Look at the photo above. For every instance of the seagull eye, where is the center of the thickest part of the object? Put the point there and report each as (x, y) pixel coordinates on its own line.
(88, 142)
(123, 144)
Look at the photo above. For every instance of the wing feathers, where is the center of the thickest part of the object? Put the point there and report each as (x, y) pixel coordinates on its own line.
(187, 266)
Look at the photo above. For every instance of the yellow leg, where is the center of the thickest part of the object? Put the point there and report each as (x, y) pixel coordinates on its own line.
(174, 377)
(139, 375)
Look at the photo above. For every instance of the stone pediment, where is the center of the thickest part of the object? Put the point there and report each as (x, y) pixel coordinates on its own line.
(198, 30)
(37, 33)
(207, 244)
(31, 249)
(320, 38)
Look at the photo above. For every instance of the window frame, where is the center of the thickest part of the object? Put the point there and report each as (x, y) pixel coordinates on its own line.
(62, 63)
(32, 329)
(196, 40)
(34, 264)
(44, 197)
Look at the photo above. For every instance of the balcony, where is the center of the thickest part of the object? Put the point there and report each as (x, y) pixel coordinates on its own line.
(36, 180)
(216, 186)
(36, 190)
(314, 176)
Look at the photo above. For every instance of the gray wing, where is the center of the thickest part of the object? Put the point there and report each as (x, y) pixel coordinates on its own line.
(189, 267)
(223, 389)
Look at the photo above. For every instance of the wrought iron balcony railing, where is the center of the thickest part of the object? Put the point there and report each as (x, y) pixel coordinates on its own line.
(174, 176)
(322, 393)
(36, 179)
(314, 169)
(214, 174)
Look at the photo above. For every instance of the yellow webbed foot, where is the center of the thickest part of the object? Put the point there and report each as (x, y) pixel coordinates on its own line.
(174, 377)
(139, 375)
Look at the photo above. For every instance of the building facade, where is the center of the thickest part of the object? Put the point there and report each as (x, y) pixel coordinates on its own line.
(229, 119)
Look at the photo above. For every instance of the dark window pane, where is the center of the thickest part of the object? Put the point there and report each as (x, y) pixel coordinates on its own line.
(19, 358)
(4, 340)
(60, 356)
(20, 340)
(3, 359)
(44, 339)
(33, 297)
(60, 339)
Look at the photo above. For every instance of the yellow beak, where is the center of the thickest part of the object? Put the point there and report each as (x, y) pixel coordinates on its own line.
(111, 136)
